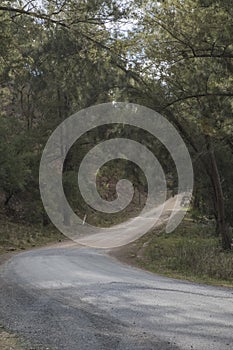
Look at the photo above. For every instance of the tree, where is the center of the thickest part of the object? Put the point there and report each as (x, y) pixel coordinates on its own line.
(186, 61)
(55, 61)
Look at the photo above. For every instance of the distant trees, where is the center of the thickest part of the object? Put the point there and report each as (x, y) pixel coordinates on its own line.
(54, 61)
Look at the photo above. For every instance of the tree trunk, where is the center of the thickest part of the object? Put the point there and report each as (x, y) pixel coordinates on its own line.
(62, 111)
(221, 225)
(211, 168)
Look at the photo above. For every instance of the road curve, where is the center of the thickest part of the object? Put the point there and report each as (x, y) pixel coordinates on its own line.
(134, 228)
(77, 298)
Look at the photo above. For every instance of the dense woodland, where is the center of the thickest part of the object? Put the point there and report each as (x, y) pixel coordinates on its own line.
(60, 56)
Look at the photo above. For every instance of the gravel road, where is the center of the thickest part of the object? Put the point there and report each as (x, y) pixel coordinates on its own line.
(77, 298)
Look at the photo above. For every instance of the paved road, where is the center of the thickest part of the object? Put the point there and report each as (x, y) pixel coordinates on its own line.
(78, 298)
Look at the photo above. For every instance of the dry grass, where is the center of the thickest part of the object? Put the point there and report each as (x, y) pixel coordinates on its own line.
(8, 341)
(19, 236)
(191, 252)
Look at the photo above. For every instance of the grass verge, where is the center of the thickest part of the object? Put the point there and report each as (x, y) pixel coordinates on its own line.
(191, 252)
(19, 236)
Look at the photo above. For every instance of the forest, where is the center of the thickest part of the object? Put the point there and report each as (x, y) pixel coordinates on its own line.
(58, 57)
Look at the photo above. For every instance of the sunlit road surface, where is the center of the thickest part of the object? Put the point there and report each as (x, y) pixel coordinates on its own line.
(78, 298)
(132, 229)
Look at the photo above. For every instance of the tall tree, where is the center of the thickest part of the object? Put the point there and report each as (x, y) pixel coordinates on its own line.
(186, 60)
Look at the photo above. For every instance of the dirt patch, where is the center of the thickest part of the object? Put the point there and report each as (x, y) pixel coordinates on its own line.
(126, 254)
(133, 252)
(9, 341)
(6, 256)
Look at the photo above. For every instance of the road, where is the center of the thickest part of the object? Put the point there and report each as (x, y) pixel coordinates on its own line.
(77, 298)
(132, 229)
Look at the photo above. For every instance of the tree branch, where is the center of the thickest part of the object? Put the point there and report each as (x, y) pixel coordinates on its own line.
(31, 14)
(183, 98)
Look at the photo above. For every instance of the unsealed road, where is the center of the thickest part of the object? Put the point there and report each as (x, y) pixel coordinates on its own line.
(78, 298)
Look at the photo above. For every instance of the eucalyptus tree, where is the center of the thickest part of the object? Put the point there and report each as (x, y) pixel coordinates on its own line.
(185, 59)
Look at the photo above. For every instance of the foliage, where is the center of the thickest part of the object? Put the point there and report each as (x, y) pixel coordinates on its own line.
(192, 252)
(62, 56)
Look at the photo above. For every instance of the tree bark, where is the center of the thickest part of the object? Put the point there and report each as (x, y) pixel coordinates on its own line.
(61, 116)
(221, 225)
(211, 168)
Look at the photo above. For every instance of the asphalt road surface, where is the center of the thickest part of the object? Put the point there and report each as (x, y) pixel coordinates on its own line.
(78, 298)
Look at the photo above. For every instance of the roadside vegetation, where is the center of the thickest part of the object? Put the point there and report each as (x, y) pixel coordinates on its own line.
(9, 341)
(191, 252)
(16, 236)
